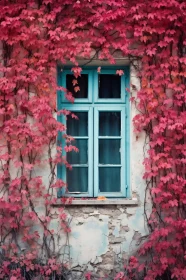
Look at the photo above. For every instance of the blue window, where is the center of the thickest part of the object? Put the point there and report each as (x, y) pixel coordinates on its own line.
(101, 133)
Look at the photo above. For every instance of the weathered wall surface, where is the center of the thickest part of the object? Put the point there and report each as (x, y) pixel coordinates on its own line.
(103, 236)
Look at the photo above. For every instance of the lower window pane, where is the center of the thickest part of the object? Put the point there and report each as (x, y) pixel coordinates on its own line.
(77, 179)
(109, 179)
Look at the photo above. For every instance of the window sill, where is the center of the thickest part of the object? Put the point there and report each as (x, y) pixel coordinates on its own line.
(113, 201)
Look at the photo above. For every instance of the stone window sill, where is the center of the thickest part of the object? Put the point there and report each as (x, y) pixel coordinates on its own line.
(114, 201)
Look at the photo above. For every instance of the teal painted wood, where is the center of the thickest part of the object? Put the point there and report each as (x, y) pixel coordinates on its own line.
(110, 137)
(93, 103)
(61, 143)
(59, 138)
(128, 136)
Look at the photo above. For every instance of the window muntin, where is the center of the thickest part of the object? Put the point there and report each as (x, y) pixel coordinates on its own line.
(100, 168)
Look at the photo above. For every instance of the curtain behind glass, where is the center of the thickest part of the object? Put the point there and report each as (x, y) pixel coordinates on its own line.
(109, 86)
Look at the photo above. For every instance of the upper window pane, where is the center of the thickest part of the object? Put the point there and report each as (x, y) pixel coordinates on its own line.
(109, 86)
(78, 127)
(77, 86)
(109, 123)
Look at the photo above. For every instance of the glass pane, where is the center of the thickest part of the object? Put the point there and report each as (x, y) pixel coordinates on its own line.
(78, 127)
(77, 179)
(77, 86)
(109, 123)
(109, 86)
(80, 157)
(109, 179)
(109, 151)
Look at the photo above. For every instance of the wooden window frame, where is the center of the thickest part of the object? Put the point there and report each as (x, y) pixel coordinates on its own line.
(93, 105)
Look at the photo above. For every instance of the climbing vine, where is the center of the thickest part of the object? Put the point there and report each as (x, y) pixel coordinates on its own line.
(36, 35)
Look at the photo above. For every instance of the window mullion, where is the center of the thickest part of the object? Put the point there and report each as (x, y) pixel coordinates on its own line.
(96, 127)
(90, 151)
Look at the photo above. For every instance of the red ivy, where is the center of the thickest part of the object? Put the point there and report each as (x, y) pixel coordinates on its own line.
(34, 36)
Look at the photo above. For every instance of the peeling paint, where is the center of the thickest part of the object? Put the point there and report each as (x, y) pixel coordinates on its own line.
(131, 210)
(116, 231)
(88, 240)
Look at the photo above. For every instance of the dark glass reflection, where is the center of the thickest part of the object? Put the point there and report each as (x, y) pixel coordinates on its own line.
(109, 123)
(109, 86)
(81, 82)
(109, 151)
(78, 127)
(77, 179)
(109, 179)
(80, 157)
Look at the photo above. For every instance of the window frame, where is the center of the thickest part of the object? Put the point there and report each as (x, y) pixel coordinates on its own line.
(94, 102)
